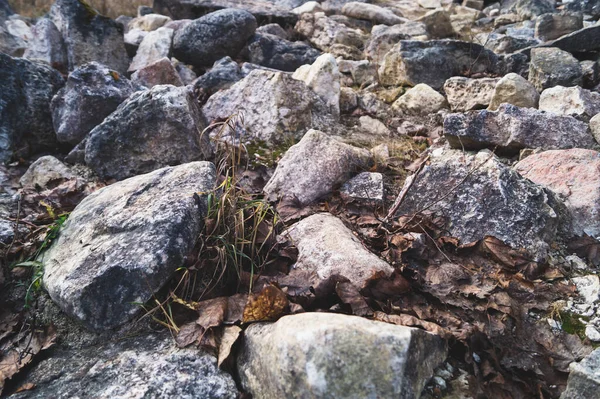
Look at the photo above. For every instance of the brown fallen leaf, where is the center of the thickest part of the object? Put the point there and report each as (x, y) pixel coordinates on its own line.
(349, 295)
(25, 387)
(212, 312)
(268, 305)
(586, 247)
(412, 321)
(503, 253)
(229, 337)
(188, 334)
(235, 308)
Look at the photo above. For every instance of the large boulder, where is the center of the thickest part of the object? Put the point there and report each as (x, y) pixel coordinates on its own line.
(552, 67)
(573, 175)
(574, 101)
(476, 195)
(433, 62)
(584, 378)
(92, 92)
(313, 167)
(278, 53)
(48, 45)
(152, 129)
(325, 355)
(89, 36)
(516, 90)
(122, 243)
(213, 36)
(466, 94)
(274, 107)
(510, 129)
(25, 118)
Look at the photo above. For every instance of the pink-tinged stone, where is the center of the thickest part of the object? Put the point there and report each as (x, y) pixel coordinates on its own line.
(161, 72)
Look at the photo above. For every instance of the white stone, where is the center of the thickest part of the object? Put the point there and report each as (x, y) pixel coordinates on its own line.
(573, 101)
(308, 7)
(323, 77)
(588, 287)
(516, 90)
(154, 46)
(420, 100)
(373, 126)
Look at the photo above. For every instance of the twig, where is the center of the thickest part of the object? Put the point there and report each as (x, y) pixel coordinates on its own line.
(409, 182)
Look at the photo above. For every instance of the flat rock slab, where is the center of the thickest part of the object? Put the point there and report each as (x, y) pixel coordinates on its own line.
(326, 355)
(122, 243)
(147, 366)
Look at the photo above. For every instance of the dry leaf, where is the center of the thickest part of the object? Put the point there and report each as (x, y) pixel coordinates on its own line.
(25, 387)
(412, 321)
(349, 295)
(212, 312)
(268, 305)
(188, 334)
(228, 339)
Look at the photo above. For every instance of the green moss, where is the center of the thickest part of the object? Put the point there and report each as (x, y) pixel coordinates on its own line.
(573, 324)
(261, 154)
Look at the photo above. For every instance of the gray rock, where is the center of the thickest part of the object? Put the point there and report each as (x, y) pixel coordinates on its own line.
(478, 196)
(384, 37)
(349, 100)
(47, 45)
(152, 129)
(433, 62)
(25, 118)
(325, 355)
(133, 39)
(224, 73)
(574, 101)
(46, 172)
(5, 11)
(122, 243)
(595, 127)
(273, 29)
(274, 52)
(591, 73)
(213, 36)
(516, 90)
(89, 36)
(505, 44)
(528, 9)
(510, 129)
(553, 26)
(274, 106)
(371, 12)
(149, 22)
(314, 166)
(10, 44)
(464, 94)
(155, 46)
(420, 100)
(323, 77)
(591, 7)
(92, 92)
(586, 40)
(161, 72)
(438, 24)
(584, 378)
(552, 67)
(146, 366)
(366, 187)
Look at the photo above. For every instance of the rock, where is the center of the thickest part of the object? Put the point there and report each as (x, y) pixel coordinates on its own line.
(19, 28)
(323, 77)
(274, 52)
(150, 130)
(373, 126)
(161, 72)
(5, 11)
(573, 175)
(595, 127)
(528, 9)
(147, 365)
(466, 94)
(149, 22)
(224, 73)
(89, 36)
(92, 92)
(430, 3)
(310, 169)
(213, 36)
(592, 333)
(155, 46)
(11, 45)
(371, 12)
(122, 243)
(510, 129)
(505, 44)
(25, 118)
(47, 45)
(584, 378)
(185, 72)
(275, 107)
(588, 288)
(516, 90)
(133, 39)
(420, 100)
(363, 72)
(337, 356)
(585, 40)
(144, 10)
(478, 196)
(273, 29)
(474, 4)
(591, 73)
(591, 7)
(437, 23)
(349, 101)
(553, 26)
(573, 101)
(45, 173)
(433, 62)
(364, 187)
(552, 67)
(370, 103)
(384, 37)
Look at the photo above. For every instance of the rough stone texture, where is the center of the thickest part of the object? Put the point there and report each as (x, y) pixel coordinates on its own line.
(584, 378)
(25, 118)
(384, 37)
(213, 36)
(511, 129)
(11, 45)
(595, 127)
(574, 101)
(278, 53)
(516, 90)
(591, 73)
(314, 166)
(323, 77)
(553, 26)
(373, 126)
(46, 172)
(146, 366)
(324, 355)
(528, 9)
(110, 8)
(552, 67)
(438, 24)
(92, 92)
(433, 62)
(274, 106)
(224, 73)
(591, 7)
(89, 36)
(273, 29)
(371, 12)
(367, 187)
(575, 176)
(122, 243)
(5, 11)
(581, 41)
(152, 129)
(420, 100)
(492, 200)
(47, 45)
(466, 94)
(154, 46)
(149, 22)
(505, 44)
(161, 72)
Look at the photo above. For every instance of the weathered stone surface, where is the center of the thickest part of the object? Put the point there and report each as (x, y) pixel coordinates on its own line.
(528, 9)
(224, 73)
(323, 77)
(11, 45)
(348, 100)
(420, 100)
(366, 186)
(337, 356)
(273, 29)
(585, 40)
(278, 53)
(145, 366)
(274, 106)
(362, 73)
(46, 172)
(47, 45)
(373, 126)
(314, 166)
(25, 119)
(511, 128)
(491, 199)
(573, 175)
(466, 94)
(152, 129)
(133, 39)
(553, 26)
(584, 378)
(438, 24)
(384, 37)
(89, 36)
(149, 22)
(433, 62)
(161, 72)
(591, 7)
(122, 243)
(213, 36)
(552, 67)
(516, 90)
(371, 12)
(505, 44)
(5, 11)
(92, 92)
(591, 73)
(595, 127)
(573, 101)
(155, 46)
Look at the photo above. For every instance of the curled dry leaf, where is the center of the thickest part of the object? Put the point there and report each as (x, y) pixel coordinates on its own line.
(229, 337)
(412, 321)
(270, 304)
(348, 294)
